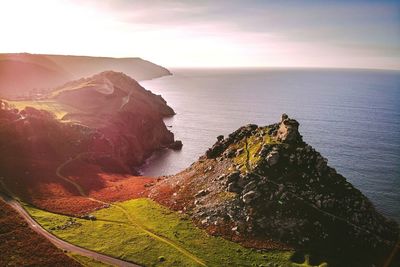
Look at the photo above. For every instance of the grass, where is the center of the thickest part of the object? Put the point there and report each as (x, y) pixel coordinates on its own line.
(59, 110)
(114, 235)
(73, 87)
(88, 262)
(307, 263)
(254, 146)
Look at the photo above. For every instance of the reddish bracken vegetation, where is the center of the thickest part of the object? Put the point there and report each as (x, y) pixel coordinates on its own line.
(15, 234)
(108, 187)
(43, 188)
(39, 151)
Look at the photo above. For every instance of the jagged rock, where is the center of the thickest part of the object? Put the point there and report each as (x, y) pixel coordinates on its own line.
(272, 158)
(249, 196)
(250, 186)
(288, 130)
(202, 193)
(176, 145)
(232, 187)
(239, 151)
(233, 177)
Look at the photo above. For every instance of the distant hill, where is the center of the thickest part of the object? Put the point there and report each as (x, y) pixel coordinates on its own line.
(23, 74)
(18, 78)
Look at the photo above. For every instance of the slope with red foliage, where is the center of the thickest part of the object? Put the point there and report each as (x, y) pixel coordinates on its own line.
(16, 234)
(34, 147)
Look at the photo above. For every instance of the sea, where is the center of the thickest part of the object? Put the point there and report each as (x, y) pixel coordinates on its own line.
(352, 117)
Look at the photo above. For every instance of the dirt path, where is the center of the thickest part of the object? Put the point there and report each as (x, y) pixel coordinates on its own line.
(35, 226)
(133, 222)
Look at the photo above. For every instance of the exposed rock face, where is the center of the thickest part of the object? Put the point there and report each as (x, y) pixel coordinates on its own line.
(288, 130)
(266, 183)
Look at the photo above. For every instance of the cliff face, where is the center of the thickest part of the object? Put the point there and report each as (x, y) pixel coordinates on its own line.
(266, 185)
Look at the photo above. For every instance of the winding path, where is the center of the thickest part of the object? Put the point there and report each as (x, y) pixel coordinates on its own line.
(35, 226)
(133, 222)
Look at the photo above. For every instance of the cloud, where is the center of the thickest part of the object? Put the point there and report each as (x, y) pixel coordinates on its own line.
(217, 33)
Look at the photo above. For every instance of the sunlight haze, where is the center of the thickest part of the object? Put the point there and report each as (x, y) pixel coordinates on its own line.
(351, 34)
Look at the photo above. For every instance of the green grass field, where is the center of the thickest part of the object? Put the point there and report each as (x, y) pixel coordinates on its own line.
(88, 262)
(113, 234)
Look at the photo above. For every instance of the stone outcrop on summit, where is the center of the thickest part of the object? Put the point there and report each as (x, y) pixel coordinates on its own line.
(266, 186)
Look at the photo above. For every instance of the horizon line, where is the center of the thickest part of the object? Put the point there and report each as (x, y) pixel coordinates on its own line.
(213, 67)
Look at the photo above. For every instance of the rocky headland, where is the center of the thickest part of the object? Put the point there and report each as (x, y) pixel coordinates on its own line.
(265, 187)
(127, 118)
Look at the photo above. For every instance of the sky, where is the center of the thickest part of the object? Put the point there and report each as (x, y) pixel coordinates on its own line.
(330, 34)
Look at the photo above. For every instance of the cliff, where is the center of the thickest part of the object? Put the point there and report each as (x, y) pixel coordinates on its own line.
(265, 187)
(43, 72)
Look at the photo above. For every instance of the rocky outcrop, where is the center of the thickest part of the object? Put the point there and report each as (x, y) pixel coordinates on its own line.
(266, 183)
(288, 130)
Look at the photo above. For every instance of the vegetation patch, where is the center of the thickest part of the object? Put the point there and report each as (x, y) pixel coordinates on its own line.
(88, 262)
(226, 196)
(71, 87)
(250, 148)
(114, 234)
(59, 110)
(21, 246)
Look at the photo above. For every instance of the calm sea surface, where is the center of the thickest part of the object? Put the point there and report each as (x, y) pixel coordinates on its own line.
(351, 116)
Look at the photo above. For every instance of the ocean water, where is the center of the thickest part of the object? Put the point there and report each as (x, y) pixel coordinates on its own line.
(352, 117)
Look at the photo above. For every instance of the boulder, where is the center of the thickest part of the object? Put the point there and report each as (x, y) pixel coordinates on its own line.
(176, 145)
(272, 158)
(288, 131)
(249, 196)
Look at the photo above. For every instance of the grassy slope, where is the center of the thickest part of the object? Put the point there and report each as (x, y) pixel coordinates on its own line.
(254, 145)
(59, 110)
(88, 262)
(112, 234)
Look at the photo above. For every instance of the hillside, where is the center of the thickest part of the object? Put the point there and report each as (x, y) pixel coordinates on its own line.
(16, 234)
(81, 66)
(34, 75)
(265, 187)
(40, 73)
(110, 92)
(110, 124)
